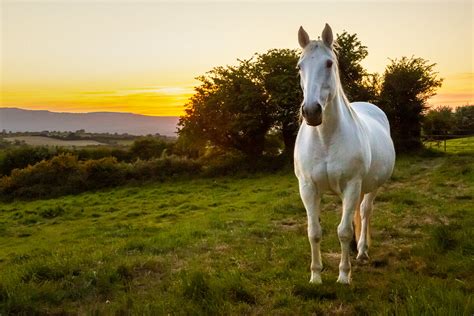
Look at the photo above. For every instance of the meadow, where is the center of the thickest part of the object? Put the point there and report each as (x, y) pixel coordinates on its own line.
(458, 145)
(237, 245)
(48, 141)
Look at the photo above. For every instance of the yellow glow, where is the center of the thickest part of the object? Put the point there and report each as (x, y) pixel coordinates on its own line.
(457, 90)
(162, 101)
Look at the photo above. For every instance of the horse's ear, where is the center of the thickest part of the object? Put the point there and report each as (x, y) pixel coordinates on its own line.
(327, 36)
(303, 37)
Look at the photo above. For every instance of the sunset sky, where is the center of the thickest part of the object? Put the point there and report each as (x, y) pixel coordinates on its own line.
(142, 57)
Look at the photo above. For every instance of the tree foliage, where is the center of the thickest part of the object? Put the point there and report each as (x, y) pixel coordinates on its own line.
(234, 107)
(443, 120)
(357, 83)
(438, 121)
(228, 110)
(245, 106)
(148, 147)
(464, 119)
(407, 84)
(278, 76)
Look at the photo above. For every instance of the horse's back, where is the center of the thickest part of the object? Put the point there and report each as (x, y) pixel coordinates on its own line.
(381, 145)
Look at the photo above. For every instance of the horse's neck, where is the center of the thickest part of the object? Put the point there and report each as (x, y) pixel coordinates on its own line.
(337, 116)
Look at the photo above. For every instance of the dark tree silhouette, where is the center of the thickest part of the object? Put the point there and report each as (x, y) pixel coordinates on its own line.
(407, 84)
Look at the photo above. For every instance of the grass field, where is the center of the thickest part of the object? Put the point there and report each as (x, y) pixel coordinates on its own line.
(457, 145)
(238, 245)
(48, 141)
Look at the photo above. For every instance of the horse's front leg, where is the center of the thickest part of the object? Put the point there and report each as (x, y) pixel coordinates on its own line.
(312, 200)
(350, 198)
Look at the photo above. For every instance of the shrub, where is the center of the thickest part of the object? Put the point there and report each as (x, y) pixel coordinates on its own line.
(103, 152)
(232, 162)
(166, 167)
(60, 175)
(147, 148)
(17, 158)
(65, 174)
(105, 172)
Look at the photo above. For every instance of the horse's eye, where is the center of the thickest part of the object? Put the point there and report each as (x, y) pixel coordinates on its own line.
(329, 63)
(298, 67)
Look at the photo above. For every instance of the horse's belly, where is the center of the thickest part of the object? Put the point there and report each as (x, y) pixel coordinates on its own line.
(382, 156)
(380, 170)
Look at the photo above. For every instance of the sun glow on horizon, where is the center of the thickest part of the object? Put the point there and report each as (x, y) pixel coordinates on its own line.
(156, 101)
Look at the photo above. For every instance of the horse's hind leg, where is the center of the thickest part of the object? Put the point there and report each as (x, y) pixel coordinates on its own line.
(350, 200)
(357, 225)
(365, 213)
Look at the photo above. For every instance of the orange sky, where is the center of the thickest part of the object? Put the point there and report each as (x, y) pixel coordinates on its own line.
(84, 56)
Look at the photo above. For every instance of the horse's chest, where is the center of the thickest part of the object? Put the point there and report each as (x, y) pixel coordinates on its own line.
(327, 172)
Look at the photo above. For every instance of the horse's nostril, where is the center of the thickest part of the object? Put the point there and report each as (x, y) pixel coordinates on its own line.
(303, 111)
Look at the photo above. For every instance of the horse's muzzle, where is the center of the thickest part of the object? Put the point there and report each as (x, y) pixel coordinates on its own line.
(313, 115)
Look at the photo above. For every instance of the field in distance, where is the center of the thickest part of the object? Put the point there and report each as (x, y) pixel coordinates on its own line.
(49, 141)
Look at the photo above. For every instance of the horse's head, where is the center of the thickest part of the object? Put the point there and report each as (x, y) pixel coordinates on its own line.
(318, 74)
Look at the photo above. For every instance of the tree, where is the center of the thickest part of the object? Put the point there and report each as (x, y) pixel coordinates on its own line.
(148, 147)
(438, 121)
(464, 120)
(228, 110)
(407, 84)
(357, 83)
(276, 70)
(235, 107)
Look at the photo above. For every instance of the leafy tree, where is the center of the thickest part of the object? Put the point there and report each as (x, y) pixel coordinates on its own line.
(278, 76)
(147, 148)
(358, 84)
(407, 84)
(235, 107)
(228, 110)
(438, 121)
(464, 119)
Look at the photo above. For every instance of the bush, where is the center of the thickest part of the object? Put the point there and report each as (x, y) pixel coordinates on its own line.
(65, 174)
(17, 158)
(101, 173)
(220, 163)
(103, 152)
(60, 175)
(147, 148)
(162, 168)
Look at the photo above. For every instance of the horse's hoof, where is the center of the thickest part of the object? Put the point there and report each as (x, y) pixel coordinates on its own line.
(362, 256)
(315, 279)
(344, 279)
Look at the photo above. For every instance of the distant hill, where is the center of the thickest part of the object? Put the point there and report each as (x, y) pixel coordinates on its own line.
(19, 120)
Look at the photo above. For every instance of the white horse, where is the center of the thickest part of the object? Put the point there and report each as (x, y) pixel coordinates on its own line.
(344, 148)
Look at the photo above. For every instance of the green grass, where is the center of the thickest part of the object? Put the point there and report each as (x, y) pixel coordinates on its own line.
(238, 246)
(463, 145)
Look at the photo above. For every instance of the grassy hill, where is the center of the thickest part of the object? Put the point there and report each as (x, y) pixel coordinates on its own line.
(238, 245)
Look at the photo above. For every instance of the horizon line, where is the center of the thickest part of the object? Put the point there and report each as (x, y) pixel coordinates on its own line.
(117, 112)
